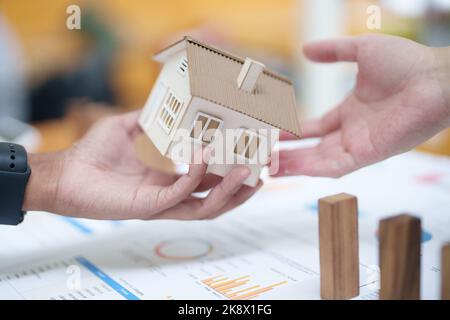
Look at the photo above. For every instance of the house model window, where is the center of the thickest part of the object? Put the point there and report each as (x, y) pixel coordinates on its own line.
(205, 127)
(247, 144)
(170, 110)
(183, 66)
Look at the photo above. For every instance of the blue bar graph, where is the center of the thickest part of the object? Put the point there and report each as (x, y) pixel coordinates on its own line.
(106, 279)
(116, 223)
(77, 224)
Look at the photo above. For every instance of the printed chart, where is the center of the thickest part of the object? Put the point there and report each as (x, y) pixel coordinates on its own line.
(183, 249)
(266, 249)
(238, 288)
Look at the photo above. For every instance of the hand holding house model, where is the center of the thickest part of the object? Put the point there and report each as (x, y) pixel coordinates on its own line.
(204, 96)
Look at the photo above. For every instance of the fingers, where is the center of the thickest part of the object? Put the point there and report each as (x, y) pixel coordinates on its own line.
(311, 162)
(241, 196)
(286, 136)
(130, 122)
(344, 49)
(130, 119)
(316, 128)
(170, 196)
(328, 159)
(209, 182)
(310, 129)
(126, 121)
(223, 192)
(221, 196)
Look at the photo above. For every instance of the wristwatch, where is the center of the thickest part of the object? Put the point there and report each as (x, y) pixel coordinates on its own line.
(14, 175)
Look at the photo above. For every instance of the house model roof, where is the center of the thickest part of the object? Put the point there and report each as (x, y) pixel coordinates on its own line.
(213, 74)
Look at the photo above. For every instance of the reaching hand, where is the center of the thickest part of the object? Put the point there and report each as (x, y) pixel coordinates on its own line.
(400, 100)
(101, 178)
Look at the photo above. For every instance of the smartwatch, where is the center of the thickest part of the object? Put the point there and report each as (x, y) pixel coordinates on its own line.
(14, 175)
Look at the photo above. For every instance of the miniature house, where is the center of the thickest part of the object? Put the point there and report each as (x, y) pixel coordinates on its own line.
(204, 90)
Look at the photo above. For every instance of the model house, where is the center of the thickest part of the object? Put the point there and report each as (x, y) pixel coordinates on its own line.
(206, 92)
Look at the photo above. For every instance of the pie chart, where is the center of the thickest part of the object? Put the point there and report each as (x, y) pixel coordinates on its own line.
(183, 249)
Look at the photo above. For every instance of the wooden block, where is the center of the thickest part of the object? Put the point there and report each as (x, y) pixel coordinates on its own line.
(399, 254)
(338, 242)
(445, 272)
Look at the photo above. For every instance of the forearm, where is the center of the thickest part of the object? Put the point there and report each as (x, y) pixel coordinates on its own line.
(442, 75)
(41, 191)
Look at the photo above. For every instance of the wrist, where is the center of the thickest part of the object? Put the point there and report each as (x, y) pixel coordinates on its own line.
(42, 189)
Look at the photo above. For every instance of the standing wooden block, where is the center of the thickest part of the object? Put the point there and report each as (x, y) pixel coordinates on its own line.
(338, 242)
(399, 244)
(445, 271)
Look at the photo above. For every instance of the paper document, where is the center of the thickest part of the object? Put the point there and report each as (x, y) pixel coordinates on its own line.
(266, 249)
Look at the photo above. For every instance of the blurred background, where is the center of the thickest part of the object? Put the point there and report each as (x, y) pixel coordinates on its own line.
(61, 81)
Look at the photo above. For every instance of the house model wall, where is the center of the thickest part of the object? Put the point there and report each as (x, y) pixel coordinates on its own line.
(203, 93)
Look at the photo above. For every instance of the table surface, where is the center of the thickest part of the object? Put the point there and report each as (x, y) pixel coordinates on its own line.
(268, 245)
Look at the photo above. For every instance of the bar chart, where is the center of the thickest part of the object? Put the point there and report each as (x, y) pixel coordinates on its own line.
(240, 288)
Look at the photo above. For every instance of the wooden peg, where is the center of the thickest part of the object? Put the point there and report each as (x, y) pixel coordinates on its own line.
(445, 271)
(338, 245)
(399, 254)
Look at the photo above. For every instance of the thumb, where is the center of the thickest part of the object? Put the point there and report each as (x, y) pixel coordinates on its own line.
(129, 121)
(343, 49)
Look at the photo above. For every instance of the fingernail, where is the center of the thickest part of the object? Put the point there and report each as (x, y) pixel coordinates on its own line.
(279, 172)
(258, 185)
(206, 154)
(245, 173)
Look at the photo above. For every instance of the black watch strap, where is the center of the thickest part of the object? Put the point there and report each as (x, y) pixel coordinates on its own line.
(14, 174)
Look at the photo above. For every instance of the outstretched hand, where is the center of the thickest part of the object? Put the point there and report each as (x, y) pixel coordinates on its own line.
(400, 100)
(100, 177)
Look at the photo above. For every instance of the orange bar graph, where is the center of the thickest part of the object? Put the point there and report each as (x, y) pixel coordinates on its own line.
(225, 284)
(233, 288)
(213, 279)
(232, 295)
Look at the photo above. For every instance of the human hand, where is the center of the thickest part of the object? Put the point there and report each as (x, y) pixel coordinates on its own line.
(101, 178)
(401, 99)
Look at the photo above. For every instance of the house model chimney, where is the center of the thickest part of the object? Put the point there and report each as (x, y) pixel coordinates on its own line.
(250, 72)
